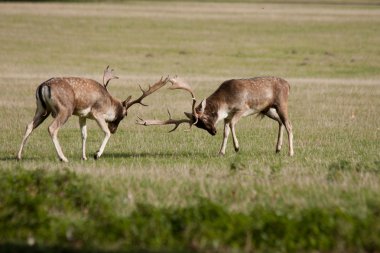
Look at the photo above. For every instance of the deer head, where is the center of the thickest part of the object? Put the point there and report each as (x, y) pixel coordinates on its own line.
(202, 119)
(199, 117)
(126, 104)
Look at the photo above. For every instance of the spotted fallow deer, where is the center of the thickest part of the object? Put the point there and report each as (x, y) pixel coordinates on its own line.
(86, 98)
(233, 100)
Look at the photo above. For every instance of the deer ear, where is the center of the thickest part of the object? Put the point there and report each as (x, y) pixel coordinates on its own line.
(203, 107)
(189, 115)
(125, 102)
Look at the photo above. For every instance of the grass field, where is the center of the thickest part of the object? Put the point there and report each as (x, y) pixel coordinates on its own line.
(156, 191)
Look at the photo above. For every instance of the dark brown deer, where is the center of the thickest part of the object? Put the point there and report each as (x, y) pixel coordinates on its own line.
(86, 98)
(233, 100)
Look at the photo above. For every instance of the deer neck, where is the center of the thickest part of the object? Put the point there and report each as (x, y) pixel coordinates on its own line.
(115, 112)
(212, 110)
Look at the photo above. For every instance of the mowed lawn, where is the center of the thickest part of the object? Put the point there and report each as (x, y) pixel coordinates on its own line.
(330, 54)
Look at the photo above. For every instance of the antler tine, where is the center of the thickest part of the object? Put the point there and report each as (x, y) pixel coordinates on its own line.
(176, 123)
(170, 116)
(151, 89)
(108, 76)
(175, 127)
(170, 121)
(143, 91)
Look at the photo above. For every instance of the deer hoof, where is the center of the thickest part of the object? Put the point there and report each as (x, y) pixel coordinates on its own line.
(84, 158)
(64, 160)
(237, 149)
(221, 154)
(96, 156)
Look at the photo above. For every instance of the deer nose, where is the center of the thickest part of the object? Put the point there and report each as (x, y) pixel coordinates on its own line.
(213, 132)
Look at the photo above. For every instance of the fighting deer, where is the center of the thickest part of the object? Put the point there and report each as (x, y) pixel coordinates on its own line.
(234, 99)
(85, 98)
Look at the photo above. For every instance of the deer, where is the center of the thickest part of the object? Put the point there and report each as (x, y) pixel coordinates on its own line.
(233, 100)
(62, 97)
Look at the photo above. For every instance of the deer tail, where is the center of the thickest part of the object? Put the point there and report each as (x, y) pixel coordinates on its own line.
(42, 94)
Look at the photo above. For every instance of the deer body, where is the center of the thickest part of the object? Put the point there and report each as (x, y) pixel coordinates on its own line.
(86, 98)
(239, 98)
(82, 97)
(235, 99)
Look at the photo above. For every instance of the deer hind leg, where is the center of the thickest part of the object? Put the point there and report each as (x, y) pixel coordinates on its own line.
(272, 113)
(103, 125)
(58, 122)
(83, 128)
(283, 113)
(225, 137)
(39, 117)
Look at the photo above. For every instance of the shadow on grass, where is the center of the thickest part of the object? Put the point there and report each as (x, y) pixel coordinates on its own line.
(8, 158)
(132, 155)
(156, 155)
(125, 155)
(11, 158)
(20, 248)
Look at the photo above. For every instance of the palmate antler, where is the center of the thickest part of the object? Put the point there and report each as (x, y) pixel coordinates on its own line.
(179, 84)
(108, 76)
(176, 84)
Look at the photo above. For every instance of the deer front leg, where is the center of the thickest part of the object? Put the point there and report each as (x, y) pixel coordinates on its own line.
(288, 127)
(235, 140)
(83, 129)
(280, 137)
(103, 125)
(225, 138)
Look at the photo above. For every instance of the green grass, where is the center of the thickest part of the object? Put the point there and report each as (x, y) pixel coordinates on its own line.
(160, 192)
(90, 222)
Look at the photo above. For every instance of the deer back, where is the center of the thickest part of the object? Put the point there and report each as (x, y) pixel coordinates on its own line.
(256, 93)
(79, 95)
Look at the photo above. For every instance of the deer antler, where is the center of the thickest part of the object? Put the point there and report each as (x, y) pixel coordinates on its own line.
(146, 93)
(176, 84)
(179, 84)
(108, 76)
(170, 121)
